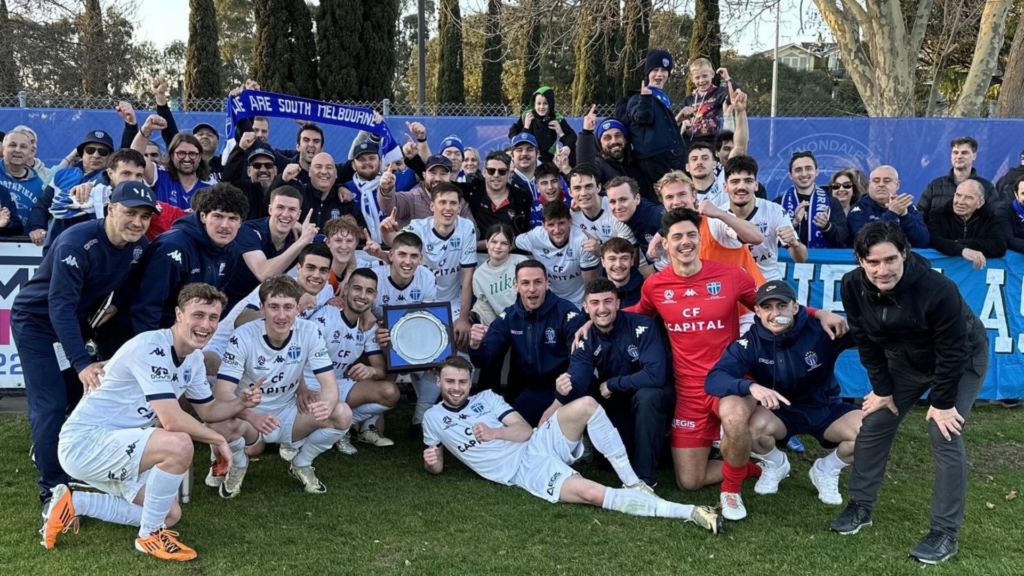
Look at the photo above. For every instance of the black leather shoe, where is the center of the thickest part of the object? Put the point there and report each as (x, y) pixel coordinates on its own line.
(937, 546)
(852, 519)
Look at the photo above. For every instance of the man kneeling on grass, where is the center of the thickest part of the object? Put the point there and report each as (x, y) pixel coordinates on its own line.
(496, 442)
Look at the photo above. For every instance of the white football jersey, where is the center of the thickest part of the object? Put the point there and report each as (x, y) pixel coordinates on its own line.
(495, 460)
(565, 264)
(422, 288)
(604, 226)
(345, 342)
(768, 217)
(716, 193)
(144, 369)
(250, 357)
(447, 256)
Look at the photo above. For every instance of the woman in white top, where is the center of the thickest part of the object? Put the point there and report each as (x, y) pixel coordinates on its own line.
(493, 281)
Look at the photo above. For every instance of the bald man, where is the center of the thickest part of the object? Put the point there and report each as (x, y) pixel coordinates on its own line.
(884, 202)
(324, 194)
(966, 226)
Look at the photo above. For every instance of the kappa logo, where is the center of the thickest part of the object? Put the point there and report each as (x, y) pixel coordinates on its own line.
(71, 261)
(233, 340)
(855, 209)
(743, 342)
(714, 288)
(158, 351)
(131, 449)
(176, 256)
(640, 330)
(568, 316)
(690, 292)
(279, 360)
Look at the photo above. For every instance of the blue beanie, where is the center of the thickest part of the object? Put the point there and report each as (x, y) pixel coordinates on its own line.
(610, 124)
(657, 59)
(453, 141)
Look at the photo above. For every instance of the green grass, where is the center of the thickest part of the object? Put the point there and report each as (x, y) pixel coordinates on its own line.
(384, 513)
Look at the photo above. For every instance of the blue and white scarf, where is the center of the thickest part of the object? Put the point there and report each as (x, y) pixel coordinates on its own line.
(258, 103)
(365, 192)
(661, 96)
(819, 205)
(1019, 209)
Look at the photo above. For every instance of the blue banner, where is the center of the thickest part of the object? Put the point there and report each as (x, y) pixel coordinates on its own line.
(917, 147)
(994, 293)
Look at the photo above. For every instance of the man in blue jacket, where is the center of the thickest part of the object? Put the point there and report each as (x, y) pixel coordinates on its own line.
(784, 363)
(51, 316)
(884, 202)
(198, 248)
(653, 130)
(539, 328)
(627, 355)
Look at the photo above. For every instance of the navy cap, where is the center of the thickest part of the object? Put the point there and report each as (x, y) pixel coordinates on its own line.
(96, 137)
(132, 194)
(775, 290)
(438, 160)
(260, 151)
(367, 147)
(524, 138)
(202, 125)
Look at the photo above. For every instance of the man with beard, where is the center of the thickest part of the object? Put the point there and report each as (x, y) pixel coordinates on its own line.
(52, 312)
(725, 143)
(496, 199)
(415, 203)
(606, 147)
(268, 246)
(258, 176)
(324, 195)
(186, 171)
(524, 161)
(364, 185)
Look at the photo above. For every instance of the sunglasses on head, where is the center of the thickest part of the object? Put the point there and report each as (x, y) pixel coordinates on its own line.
(262, 165)
(845, 185)
(498, 171)
(103, 152)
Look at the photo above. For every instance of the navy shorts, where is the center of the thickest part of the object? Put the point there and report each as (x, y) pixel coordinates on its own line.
(812, 420)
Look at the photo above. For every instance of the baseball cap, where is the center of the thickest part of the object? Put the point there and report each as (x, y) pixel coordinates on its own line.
(367, 147)
(133, 194)
(96, 137)
(202, 125)
(775, 290)
(438, 160)
(524, 138)
(260, 151)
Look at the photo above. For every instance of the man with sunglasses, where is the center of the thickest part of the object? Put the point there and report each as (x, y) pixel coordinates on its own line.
(497, 198)
(252, 168)
(817, 217)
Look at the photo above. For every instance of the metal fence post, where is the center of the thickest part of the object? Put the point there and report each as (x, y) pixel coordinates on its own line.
(386, 107)
(23, 99)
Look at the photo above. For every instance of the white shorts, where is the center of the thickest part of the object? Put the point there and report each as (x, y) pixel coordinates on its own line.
(283, 434)
(544, 464)
(108, 460)
(345, 386)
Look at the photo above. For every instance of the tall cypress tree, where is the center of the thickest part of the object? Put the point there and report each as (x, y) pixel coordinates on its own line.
(94, 57)
(638, 39)
(493, 59)
(706, 40)
(304, 65)
(271, 61)
(202, 57)
(450, 86)
(531, 59)
(9, 81)
(378, 35)
(339, 49)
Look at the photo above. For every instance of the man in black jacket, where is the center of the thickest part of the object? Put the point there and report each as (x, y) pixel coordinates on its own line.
(496, 198)
(606, 146)
(1006, 186)
(1012, 215)
(915, 333)
(963, 153)
(967, 227)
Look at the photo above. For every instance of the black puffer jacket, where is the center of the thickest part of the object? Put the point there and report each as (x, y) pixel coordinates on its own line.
(923, 323)
(983, 232)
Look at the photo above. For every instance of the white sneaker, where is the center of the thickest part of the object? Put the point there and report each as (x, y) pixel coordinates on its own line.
(771, 475)
(641, 486)
(373, 436)
(732, 506)
(344, 445)
(306, 474)
(827, 485)
(213, 481)
(287, 453)
(232, 484)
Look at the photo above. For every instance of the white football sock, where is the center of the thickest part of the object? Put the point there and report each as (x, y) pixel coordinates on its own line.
(316, 444)
(106, 507)
(364, 413)
(161, 491)
(830, 464)
(775, 456)
(238, 456)
(607, 441)
(637, 503)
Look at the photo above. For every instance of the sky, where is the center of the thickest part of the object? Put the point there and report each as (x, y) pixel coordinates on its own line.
(167, 20)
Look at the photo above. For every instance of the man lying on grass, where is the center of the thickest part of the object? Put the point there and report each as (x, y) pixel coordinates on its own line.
(496, 442)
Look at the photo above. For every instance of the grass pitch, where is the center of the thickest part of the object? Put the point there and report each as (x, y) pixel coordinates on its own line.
(384, 513)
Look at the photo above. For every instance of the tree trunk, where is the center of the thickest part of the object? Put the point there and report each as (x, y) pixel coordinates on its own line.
(590, 80)
(94, 57)
(531, 58)
(986, 58)
(1011, 93)
(9, 81)
(706, 41)
(638, 40)
(493, 59)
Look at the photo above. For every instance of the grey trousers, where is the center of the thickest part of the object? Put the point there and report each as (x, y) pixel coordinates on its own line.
(871, 453)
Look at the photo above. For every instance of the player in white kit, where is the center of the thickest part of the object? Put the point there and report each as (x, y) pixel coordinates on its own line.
(273, 355)
(487, 435)
(351, 336)
(560, 247)
(129, 437)
(590, 211)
